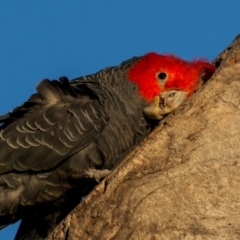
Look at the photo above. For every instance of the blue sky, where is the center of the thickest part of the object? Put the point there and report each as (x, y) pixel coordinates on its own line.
(49, 39)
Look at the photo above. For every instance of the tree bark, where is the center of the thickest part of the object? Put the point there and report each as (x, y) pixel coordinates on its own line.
(183, 181)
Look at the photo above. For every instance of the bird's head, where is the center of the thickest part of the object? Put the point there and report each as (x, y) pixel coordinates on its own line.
(165, 81)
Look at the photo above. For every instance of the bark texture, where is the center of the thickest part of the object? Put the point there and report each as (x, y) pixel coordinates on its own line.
(183, 181)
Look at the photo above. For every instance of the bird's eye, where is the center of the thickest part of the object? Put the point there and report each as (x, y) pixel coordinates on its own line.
(162, 75)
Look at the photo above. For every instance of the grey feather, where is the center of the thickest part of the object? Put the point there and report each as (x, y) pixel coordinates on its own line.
(50, 144)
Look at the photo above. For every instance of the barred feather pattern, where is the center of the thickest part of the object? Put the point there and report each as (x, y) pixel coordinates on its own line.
(68, 127)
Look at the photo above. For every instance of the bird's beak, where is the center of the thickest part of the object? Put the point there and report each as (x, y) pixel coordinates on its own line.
(165, 103)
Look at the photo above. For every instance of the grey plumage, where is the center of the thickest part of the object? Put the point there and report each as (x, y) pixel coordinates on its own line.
(49, 144)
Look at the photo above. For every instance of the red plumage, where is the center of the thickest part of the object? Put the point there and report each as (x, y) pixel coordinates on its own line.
(181, 74)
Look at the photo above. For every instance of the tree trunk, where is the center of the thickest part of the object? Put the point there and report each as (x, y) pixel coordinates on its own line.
(183, 181)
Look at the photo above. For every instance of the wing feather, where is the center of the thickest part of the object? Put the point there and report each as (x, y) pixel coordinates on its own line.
(52, 125)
